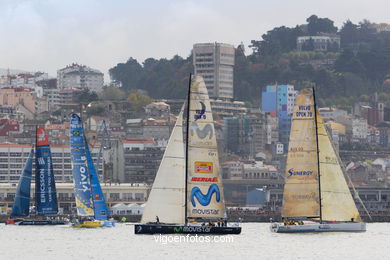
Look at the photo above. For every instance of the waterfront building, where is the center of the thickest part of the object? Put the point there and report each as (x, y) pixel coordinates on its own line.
(141, 157)
(114, 193)
(279, 100)
(14, 156)
(245, 134)
(80, 76)
(215, 63)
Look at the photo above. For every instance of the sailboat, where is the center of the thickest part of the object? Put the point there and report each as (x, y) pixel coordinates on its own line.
(45, 189)
(90, 203)
(187, 192)
(316, 196)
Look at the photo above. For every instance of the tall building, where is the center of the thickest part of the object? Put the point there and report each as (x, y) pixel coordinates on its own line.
(280, 99)
(215, 63)
(80, 76)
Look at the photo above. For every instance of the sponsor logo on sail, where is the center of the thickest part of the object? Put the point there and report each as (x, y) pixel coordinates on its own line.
(304, 111)
(200, 113)
(205, 199)
(76, 133)
(202, 179)
(292, 172)
(203, 167)
(205, 211)
(201, 133)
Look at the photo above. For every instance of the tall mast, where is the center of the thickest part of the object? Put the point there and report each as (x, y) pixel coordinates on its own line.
(318, 155)
(186, 163)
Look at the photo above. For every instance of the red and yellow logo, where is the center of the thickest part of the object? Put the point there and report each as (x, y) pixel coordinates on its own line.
(203, 167)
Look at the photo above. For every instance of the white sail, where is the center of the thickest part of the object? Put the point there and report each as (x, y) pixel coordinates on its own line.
(166, 199)
(205, 192)
(336, 199)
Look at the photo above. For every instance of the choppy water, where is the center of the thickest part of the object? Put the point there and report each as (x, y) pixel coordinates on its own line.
(255, 242)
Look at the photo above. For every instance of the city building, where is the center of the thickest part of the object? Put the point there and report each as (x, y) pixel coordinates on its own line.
(280, 99)
(215, 63)
(114, 193)
(80, 76)
(228, 107)
(14, 156)
(359, 130)
(141, 158)
(25, 79)
(329, 113)
(318, 43)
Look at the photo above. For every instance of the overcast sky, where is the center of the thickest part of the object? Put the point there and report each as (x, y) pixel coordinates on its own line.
(45, 35)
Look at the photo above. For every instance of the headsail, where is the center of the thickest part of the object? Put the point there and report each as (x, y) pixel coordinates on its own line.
(205, 197)
(166, 199)
(21, 207)
(99, 204)
(45, 188)
(337, 201)
(82, 187)
(301, 189)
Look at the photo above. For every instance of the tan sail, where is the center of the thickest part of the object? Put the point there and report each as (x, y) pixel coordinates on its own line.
(301, 189)
(204, 192)
(166, 199)
(337, 202)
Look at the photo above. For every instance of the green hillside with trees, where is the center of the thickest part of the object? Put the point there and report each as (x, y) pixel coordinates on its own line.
(342, 76)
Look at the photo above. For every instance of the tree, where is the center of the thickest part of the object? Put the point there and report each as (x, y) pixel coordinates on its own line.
(349, 34)
(112, 93)
(138, 101)
(320, 25)
(86, 96)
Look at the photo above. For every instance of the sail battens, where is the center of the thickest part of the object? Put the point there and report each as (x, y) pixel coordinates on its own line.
(166, 199)
(301, 193)
(21, 206)
(205, 192)
(337, 201)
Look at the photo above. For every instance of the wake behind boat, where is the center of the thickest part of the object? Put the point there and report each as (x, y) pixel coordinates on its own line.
(316, 196)
(187, 194)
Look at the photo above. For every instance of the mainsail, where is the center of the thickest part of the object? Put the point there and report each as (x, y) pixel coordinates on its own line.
(82, 187)
(99, 204)
(301, 189)
(45, 189)
(336, 199)
(204, 186)
(166, 199)
(21, 207)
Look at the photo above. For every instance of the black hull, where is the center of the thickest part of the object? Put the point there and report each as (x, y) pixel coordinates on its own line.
(40, 222)
(183, 229)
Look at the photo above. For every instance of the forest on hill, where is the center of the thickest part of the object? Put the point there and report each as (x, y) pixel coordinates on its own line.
(342, 76)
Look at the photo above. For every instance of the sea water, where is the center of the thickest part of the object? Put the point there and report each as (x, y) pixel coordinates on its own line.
(255, 242)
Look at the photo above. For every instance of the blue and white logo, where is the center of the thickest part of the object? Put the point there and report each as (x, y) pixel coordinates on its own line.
(205, 199)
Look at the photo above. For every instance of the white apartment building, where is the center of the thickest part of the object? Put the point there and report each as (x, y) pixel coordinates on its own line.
(359, 129)
(14, 156)
(215, 63)
(80, 76)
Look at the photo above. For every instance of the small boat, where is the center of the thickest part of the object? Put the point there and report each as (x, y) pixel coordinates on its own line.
(45, 190)
(316, 196)
(90, 203)
(187, 194)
